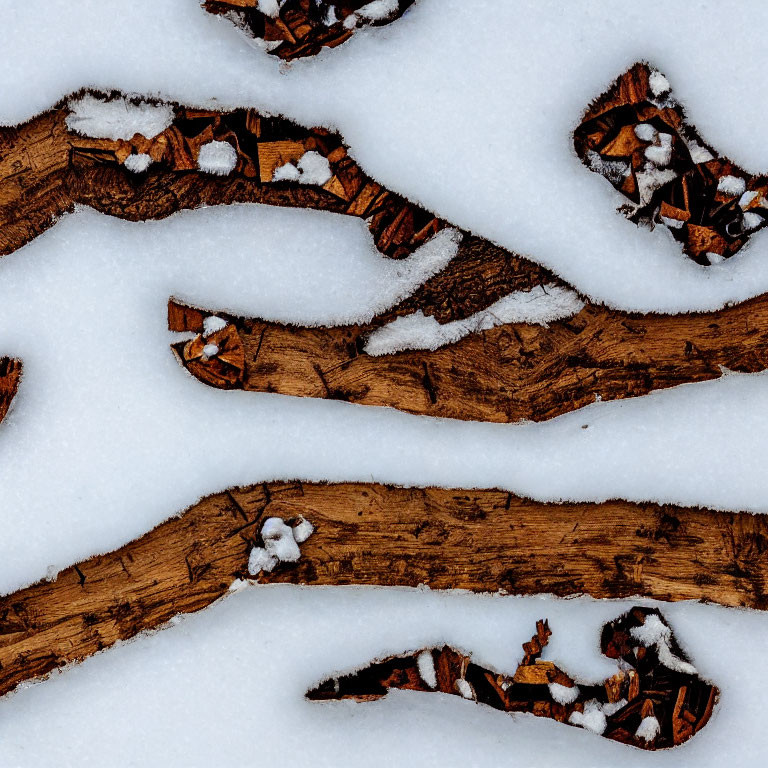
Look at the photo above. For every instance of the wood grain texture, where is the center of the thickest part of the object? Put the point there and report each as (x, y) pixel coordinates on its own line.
(505, 374)
(367, 534)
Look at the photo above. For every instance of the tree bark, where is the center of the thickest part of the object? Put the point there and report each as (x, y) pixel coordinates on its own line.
(368, 534)
(509, 373)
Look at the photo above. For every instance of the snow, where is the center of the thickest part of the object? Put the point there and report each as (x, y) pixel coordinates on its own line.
(645, 132)
(540, 305)
(658, 84)
(464, 689)
(563, 694)
(217, 157)
(210, 350)
(269, 8)
(94, 454)
(212, 324)
(592, 718)
(260, 560)
(731, 185)
(648, 729)
(215, 678)
(279, 541)
(654, 633)
(137, 163)
(426, 664)
(312, 168)
(117, 118)
(303, 531)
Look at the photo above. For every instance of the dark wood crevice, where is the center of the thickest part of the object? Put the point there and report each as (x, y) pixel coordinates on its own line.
(646, 703)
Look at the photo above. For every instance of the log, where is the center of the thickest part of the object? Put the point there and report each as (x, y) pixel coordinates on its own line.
(369, 534)
(509, 373)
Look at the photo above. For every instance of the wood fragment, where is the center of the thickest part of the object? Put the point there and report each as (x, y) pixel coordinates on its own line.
(302, 27)
(659, 691)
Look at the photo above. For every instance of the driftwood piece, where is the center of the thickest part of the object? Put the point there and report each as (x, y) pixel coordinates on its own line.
(304, 27)
(512, 372)
(656, 701)
(637, 137)
(368, 534)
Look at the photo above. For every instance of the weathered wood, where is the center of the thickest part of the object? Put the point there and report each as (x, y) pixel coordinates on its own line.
(505, 374)
(302, 27)
(655, 701)
(367, 534)
(46, 168)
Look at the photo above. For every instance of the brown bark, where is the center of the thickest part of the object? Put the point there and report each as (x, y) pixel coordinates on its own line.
(367, 534)
(508, 373)
(680, 701)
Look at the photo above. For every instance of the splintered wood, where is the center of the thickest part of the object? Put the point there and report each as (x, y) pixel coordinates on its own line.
(46, 168)
(368, 534)
(636, 136)
(656, 701)
(304, 27)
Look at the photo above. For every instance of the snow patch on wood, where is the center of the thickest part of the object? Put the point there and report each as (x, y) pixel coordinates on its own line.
(117, 118)
(539, 306)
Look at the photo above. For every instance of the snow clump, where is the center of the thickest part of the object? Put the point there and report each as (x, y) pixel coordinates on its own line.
(540, 305)
(217, 157)
(426, 664)
(655, 633)
(213, 324)
(312, 168)
(648, 729)
(118, 118)
(281, 544)
(592, 718)
(377, 10)
(564, 694)
(732, 185)
(138, 163)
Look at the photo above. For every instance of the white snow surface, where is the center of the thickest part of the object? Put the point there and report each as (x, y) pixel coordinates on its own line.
(648, 729)
(540, 305)
(426, 665)
(117, 118)
(109, 436)
(592, 718)
(215, 678)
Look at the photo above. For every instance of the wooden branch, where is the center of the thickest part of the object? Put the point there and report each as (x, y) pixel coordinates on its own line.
(636, 136)
(302, 27)
(505, 374)
(367, 534)
(656, 701)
